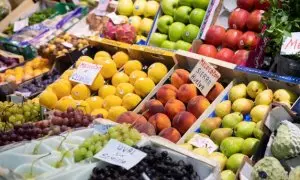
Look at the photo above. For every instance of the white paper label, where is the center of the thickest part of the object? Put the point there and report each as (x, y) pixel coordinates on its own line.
(120, 154)
(291, 45)
(245, 173)
(86, 73)
(101, 8)
(25, 94)
(67, 44)
(204, 76)
(76, 1)
(115, 18)
(18, 25)
(203, 142)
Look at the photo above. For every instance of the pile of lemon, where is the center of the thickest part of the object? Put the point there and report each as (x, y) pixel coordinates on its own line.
(112, 93)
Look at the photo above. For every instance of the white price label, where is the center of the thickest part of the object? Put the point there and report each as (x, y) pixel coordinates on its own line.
(204, 76)
(245, 172)
(115, 18)
(101, 8)
(76, 2)
(67, 44)
(86, 73)
(120, 154)
(291, 45)
(18, 25)
(25, 94)
(203, 142)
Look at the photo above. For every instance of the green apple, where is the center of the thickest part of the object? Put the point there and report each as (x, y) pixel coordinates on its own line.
(168, 45)
(250, 146)
(175, 31)
(232, 119)
(182, 14)
(125, 7)
(157, 39)
(227, 175)
(244, 129)
(231, 145)
(183, 45)
(163, 23)
(135, 21)
(235, 161)
(186, 3)
(139, 7)
(151, 8)
(202, 4)
(169, 6)
(190, 33)
(197, 16)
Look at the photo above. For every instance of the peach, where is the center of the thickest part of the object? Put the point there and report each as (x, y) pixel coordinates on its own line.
(160, 121)
(146, 128)
(186, 92)
(131, 118)
(214, 92)
(183, 121)
(171, 134)
(180, 77)
(197, 105)
(152, 107)
(166, 92)
(173, 107)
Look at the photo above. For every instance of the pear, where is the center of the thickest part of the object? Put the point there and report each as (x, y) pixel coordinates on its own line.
(227, 175)
(231, 145)
(201, 151)
(285, 96)
(254, 88)
(139, 7)
(223, 108)
(237, 91)
(220, 158)
(250, 146)
(235, 161)
(242, 105)
(232, 119)
(125, 7)
(259, 112)
(264, 98)
(209, 124)
(244, 129)
(257, 131)
(186, 146)
(218, 135)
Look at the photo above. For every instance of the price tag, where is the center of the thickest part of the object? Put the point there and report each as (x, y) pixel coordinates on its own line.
(67, 44)
(203, 142)
(115, 18)
(16, 99)
(204, 76)
(291, 45)
(86, 73)
(120, 154)
(18, 25)
(101, 8)
(245, 172)
(25, 94)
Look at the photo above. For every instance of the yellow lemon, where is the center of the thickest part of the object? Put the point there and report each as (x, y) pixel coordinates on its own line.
(84, 106)
(64, 103)
(19, 69)
(102, 54)
(123, 89)
(48, 99)
(102, 111)
(80, 92)
(131, 66)
(61, 89)
(49, 87)
(130, 101)
(37, 72)
(95, 102)
(83, 59)
(106, 90)
(98, 60)
(98, 82)
(120, 58)
(66, 75)
(111, 100)
(45, 69)
(157, 71)
(115, 112)
(118, 78)
(143, 86)
(109, 68)
(65, 81)
(136, 75)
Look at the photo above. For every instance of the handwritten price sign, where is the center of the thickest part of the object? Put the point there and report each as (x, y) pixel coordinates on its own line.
(86, 73)
(291, 45)
(203, 142)
(120, 154)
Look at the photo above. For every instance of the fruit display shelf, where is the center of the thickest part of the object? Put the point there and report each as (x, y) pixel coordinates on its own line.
(9, 60)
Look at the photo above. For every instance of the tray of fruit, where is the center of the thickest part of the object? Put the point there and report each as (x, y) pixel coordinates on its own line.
(9, 60)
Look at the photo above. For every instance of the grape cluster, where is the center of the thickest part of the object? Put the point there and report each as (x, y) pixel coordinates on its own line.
(155, 166)
(91, 146)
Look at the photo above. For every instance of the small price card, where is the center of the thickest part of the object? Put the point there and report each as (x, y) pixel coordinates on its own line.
(86, 73)
(203, 142)
(204, 76)
(291, 45)
(67, 44)
(18, 25)
(101, 8)
(120, 154)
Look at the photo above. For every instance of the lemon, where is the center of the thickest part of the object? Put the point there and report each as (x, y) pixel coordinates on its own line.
(64, 103)
(98, 82)
(136, 75)
(120, 58)
(98, 60)
(67, 74)
(118, 78)
(157, 71)
(102, 111)
(143, 86)
(83, 59)
(64, 81)
(95, 102)
(130, 101)
(37, 72)
(84, 106)
(131, 66)
(115, 112)
(80, 92)
(110, 101)
(48, 99)
(61, 89)
(123, 89)
(102, 54)
(106, 90)
(109, 68)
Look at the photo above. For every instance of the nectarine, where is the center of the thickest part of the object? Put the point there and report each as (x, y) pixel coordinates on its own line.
(197, 105)
(180, 77)
(160, 121)
(171, 134)
(215, 91)
(131, 118)
(186, 92)
(166, 92)
(173, 107)
(183, 121)
(152, 107)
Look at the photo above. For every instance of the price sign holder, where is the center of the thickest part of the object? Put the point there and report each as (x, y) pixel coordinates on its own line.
(18, 25)
(203, 142)
(86, 73)
(204, 76)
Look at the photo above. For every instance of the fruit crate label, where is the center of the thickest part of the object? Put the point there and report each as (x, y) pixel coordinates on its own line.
(18, 25)
(120, 154)
(101, 8)
(67, 45)
(291, 45)
(86, 73)
(204, 76)
(203, 142)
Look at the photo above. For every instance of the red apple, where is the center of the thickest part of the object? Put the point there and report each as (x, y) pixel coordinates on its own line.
(231, 38)
(262, 4)
(245, 4)
(248, 40)
(225, 54)
(240, 57)
(215, 35)
(254, 19)
(207, 50)
(238, 18)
